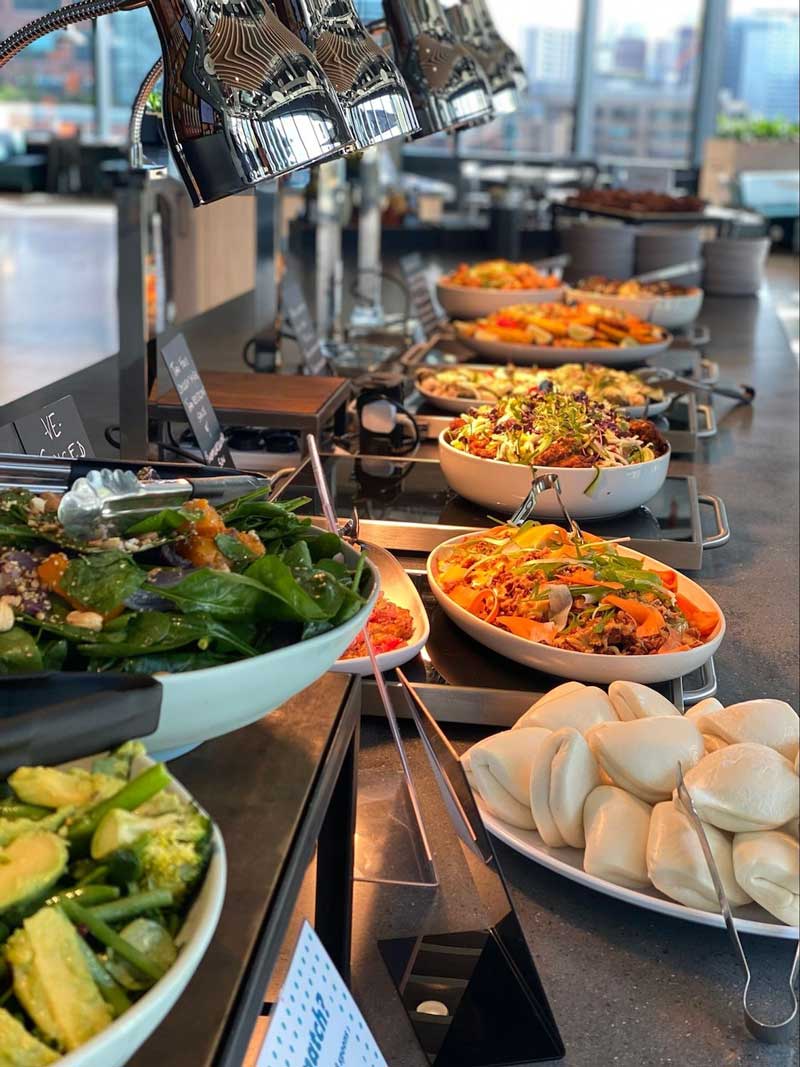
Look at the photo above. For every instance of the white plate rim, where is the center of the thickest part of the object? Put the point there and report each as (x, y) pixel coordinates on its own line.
(387, 661)
(514, 838)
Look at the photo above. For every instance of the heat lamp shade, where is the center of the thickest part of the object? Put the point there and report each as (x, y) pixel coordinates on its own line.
(370, 88)
(448, 89)
(472, 24)
(245, 101)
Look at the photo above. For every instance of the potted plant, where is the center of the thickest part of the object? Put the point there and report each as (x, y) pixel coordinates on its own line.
(746, 144)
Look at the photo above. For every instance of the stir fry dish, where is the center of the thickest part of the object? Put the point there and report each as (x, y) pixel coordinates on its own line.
(644, 202)
(98, 868)
(501, 274)
(549, 429)
(634, 289)
(390, 627)
(185, 589)
(563, 326)
(490, 384)
(537, 583)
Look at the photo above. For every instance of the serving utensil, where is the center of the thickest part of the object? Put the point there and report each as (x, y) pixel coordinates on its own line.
(541, 483)
(111, 501)
(663, 274)
(671, 382)
(769, 1033)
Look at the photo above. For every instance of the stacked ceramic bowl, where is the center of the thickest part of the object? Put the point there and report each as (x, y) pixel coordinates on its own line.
(667, 246)
(735, 267)
(598, 247)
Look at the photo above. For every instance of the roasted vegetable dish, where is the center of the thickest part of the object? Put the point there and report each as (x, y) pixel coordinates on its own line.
(185, 589)
(633, 289)
(98, 868)
(490, 384)
(563, 326)
(549, 429)
(501, 274)
(536, 583)
(390, 627)
(642, 202)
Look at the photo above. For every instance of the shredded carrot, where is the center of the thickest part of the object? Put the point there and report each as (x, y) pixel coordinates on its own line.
(586, 577)
(530, 629)
(485, 605)
(454, 573)
(669, 578)
(463, 596)
(649, 621)
(705, 622)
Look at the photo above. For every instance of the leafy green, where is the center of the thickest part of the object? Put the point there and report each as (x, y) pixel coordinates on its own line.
(299, 594)
(18, 652)
(168, 521)
(220, 594)
(147, 632)
(102, 582)
(233, 550)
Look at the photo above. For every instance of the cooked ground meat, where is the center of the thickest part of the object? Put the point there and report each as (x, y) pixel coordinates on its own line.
(647, 432)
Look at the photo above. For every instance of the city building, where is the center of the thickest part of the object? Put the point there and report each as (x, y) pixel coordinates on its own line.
(762, 64)
(550, 55)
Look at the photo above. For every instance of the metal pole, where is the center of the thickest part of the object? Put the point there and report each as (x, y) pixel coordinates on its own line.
(331, 190)
(369, 241)
(583, 131)
(132, 229)
(712, 48)
(101, 46)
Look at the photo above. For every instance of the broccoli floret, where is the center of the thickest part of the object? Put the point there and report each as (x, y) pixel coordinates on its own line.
(173, 847)
(117, 764)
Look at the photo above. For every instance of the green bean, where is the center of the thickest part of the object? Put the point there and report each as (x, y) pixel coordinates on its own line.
(111, 939)
(136, 792)
(15, 809)
(129, 907)
(97, 874)
(88, 895)
(113, 993)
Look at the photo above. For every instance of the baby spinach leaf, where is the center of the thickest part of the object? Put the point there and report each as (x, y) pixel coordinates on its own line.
(151, 632)
(220, 594)
(233, 550)
(301, 595)
(168, 521)
(18, 652)
(54, 654)
(298, 555)
(171, 662)
(102, 582)
(324, 545)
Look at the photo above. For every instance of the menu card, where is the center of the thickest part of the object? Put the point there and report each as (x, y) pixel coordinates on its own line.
(55, 430)
(316, 1022)
(298, 316)
(419, 290)
(195, 402)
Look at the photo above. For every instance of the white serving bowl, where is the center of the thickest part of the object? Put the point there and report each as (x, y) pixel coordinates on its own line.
(501, 487)
(199, 705)
(668, 311)
(583, 666)
(117, 1043)
(464, 302)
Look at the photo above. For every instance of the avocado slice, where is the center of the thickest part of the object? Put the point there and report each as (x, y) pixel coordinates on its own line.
(29, 866)
(52, 788)
(18, 1048)
(52, 980)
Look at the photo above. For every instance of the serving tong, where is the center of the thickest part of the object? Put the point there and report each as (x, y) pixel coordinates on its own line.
(768, 1033)
(671, 382)
(541, 483)
(108, 502)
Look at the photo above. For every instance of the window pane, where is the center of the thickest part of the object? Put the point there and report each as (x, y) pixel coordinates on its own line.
(646, 66)
(49, 87)
(134, 48)
(546, 39)
(761, 74)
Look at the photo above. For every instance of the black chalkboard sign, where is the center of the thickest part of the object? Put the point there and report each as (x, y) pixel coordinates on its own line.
(419, 290)
(9, 440)
(55, 430)
(197, 407)
(298, 317)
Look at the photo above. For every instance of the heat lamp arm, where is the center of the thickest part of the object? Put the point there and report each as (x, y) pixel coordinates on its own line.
(59, 20)
(138, 109)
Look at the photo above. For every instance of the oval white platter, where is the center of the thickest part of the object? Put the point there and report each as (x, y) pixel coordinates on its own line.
(583, 666)
(397, 587)
(459, 404)
(548, 356)
(467, 302)
(568, 862)
(117, 1043)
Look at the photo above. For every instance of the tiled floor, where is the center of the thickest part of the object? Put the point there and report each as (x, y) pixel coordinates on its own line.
(58, 290)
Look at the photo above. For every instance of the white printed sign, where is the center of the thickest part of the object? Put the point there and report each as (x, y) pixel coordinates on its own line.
(316, 1022)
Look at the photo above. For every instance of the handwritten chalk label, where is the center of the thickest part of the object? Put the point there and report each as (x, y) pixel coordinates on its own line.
(419, 290)
(195, 402)
(55, 430)
(316, 1022)
(9, 440)
(300, 322)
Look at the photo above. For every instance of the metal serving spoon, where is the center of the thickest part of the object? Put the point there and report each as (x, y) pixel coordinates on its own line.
(541, 483)
(769, 1033)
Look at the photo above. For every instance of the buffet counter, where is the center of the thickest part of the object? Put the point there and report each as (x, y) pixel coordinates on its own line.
(627, 985)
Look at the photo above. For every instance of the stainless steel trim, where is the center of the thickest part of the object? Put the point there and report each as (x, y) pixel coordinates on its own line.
(708, 686)
(710, 419)
(723, 534)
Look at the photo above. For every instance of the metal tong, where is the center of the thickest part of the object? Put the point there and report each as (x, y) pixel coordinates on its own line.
(769, 1033)
(541, 483)
(663, 274)
(111, 501)
(671, 382)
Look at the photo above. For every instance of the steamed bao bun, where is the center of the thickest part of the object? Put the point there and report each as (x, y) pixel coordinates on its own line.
(641, 756)
(499, 768)
(767, 865)
(564, 773)
(572, 704)
(773, 723)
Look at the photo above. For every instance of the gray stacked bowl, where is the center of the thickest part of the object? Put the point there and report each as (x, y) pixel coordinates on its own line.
(601, 247)
(735, 266)
(667, 246)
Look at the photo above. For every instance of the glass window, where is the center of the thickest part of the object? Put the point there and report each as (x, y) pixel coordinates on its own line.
(646, 66)
(49, 87)
(546, 39)
(134, 47)
(761, 71)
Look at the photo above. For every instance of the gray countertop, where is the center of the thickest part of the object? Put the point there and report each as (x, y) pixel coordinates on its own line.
(627, 986)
